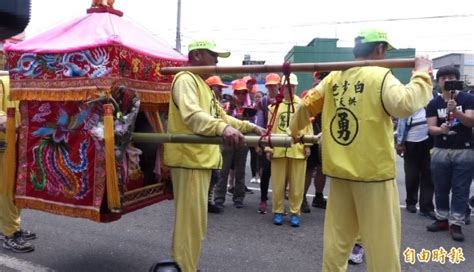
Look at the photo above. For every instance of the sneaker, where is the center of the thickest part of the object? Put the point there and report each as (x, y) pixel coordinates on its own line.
(456, 233)
(411, 208)
(294, 220)
(319, 202)
(230, 191)
(238, 204)
(253, 180)
(258, 180)
(278, 219)
(429, 215)
(212, 208)
(248, 191)
(304, 206)
(262, 208)
(17, 243)
(438, 225)
(26, 234)
(357, 255)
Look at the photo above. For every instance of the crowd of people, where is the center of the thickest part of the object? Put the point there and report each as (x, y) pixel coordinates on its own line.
(351, 111)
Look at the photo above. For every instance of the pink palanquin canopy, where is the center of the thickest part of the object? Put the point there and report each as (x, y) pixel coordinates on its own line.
(61, 165)
(80, 59)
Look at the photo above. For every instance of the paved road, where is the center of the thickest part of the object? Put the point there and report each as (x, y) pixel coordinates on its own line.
(238, 240)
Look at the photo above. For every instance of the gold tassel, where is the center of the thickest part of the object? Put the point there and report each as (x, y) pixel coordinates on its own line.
(8, 186)
(113, 193)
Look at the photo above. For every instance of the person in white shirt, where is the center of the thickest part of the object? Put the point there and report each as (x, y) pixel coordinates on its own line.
(413, 145)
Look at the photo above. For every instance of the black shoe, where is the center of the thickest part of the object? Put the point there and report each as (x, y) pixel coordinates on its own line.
(304, 206)
(238, 204)
(319, 202)
(430, 215)
(230, 191)
(26, 234)
(168, 265)
(211, 208)
(17, 243)
(219, 205)
(438, 225)
(411, 208)
(248, 191)
(471, 202)
(456, 233)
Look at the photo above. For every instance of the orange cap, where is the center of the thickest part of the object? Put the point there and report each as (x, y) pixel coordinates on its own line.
(272, 79)
(249, 79)
(215, 80)
(239, 85)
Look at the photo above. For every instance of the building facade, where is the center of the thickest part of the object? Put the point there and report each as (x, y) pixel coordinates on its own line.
(326, 50)
(464, 62)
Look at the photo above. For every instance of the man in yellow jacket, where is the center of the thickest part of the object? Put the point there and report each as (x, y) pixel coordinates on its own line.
(10, 232)
(358, 152)
(194, 109)
(287, 163)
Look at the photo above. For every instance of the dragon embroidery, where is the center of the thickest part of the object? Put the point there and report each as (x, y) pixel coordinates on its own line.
(86, 63)
(51, 156)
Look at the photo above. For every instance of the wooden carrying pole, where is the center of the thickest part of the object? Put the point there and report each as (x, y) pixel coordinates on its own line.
(279, 140)
(294, 67)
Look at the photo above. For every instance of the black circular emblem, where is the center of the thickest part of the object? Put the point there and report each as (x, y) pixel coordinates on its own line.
(283, 121)
(344, 126)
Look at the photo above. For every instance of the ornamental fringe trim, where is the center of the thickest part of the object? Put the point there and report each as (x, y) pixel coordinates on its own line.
(54, 208)
(146, 96)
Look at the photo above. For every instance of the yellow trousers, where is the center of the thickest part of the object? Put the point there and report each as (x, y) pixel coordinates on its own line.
(190, 189)
(293, 170)
(9, 213)
(369, 209)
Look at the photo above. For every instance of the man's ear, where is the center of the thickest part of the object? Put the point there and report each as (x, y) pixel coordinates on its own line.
(381, 50)
(195, 56)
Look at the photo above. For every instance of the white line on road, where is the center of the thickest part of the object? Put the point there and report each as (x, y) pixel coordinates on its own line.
(21, 265)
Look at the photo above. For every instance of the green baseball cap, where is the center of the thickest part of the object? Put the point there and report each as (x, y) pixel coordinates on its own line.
(374, 35)
(209, 45)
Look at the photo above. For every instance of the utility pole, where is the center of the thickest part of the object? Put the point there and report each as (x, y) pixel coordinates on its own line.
(178, 28)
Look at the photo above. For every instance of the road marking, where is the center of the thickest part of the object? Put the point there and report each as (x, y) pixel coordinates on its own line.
(21, 265)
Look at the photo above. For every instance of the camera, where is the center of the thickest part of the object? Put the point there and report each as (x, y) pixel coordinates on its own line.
(453, 85)
(227, 97)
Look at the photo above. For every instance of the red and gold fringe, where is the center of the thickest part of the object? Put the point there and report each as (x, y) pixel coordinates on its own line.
(93, 215)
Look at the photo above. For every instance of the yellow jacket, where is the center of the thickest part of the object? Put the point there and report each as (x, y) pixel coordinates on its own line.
(357, 128)
(296, 151)
(5, 103)
(193, 109)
